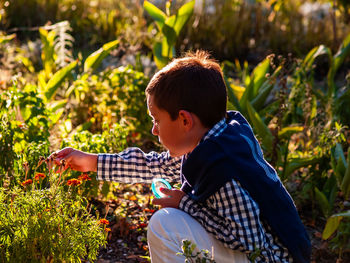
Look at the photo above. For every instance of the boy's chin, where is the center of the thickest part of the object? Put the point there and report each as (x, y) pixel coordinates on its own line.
(175, 154)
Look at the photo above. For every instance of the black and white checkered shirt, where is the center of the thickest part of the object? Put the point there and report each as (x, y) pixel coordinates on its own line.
(230, 214)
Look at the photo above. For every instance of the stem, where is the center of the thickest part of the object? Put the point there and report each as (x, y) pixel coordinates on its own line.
(335, 38)
(285, 160)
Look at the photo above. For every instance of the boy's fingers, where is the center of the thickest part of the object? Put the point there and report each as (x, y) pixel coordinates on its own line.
(62, 153)
(165, 190)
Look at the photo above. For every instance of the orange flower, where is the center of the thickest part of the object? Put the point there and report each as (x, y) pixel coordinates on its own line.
(107, 229)
(103, 222)
(37, 176)
(29, 181)
(74, 182)
(84, 177)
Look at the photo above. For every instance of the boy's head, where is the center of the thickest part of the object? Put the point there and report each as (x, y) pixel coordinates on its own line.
(193, 83)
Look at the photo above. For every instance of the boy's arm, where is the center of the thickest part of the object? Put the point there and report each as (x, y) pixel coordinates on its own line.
(134, 166)
(233, 218)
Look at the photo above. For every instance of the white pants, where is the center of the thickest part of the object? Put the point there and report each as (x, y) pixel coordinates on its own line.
(169, 226)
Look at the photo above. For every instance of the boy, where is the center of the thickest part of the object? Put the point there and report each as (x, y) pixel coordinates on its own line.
(231, 201)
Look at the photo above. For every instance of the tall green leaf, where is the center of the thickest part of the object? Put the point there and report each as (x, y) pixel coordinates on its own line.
(331, 226)
(157, 14)
(322, 201)
(183, 14)
(94, 60)
(159, 59)
(260, 127)
(259, 75)
(265, 90)
(231, 95)
(345, 186)
(338, 59)
(48, 49)
(340, 163)
(287, 132)
(57, 79)
(314, 53)
(297, 163)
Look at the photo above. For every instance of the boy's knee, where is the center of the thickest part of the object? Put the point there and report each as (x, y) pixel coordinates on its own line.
(164, 221)
(163, 217)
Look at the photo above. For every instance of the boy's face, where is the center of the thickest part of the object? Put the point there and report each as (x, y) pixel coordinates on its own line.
(172, 134)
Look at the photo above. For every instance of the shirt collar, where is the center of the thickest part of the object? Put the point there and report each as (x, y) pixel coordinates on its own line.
(217, 129)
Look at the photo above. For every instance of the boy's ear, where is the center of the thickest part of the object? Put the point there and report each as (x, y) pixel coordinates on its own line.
(186, 119)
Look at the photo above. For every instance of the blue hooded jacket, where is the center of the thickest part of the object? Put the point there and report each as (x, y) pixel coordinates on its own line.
(236, 154)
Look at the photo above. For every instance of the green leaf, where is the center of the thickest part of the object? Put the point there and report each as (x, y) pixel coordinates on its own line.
(57, 79)
(247, 96)
(57, 104)
(68, 125)
(313, 54)
(157, 14)
(25, 112)
(287, 132)
(260, 127)
(343, 52)
(339, 154)
(55, 117)
(264, 91)
(105, 188)
(345, 186)
(170, 35)
(297, 163)
(338, 59)
(158, 57)
(259, 75)
(346, 214)
(48, 49)
(231, 95)
(94, 60)
(7, 38)
(253, 83)
(322, 201)
(331, 226)
(183, 14)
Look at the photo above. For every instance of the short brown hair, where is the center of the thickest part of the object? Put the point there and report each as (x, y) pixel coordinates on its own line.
(194, 83)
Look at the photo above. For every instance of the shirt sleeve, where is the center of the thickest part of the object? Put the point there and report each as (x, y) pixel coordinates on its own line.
(134, 166)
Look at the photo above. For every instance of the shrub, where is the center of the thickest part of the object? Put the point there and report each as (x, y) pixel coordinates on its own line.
(47, 224)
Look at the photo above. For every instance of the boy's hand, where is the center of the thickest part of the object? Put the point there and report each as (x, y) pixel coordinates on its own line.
(76, 160)
(173, 198)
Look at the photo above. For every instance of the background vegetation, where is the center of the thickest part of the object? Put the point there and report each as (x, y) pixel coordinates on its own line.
(73, 73)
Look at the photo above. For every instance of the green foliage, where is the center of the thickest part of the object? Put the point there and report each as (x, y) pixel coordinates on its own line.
(298, 108)
(94, 60)
(52, 224)
(57, 79)
(6, 38)
(114, 95)
(338, 223)
(191, 256)
(169, 27)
